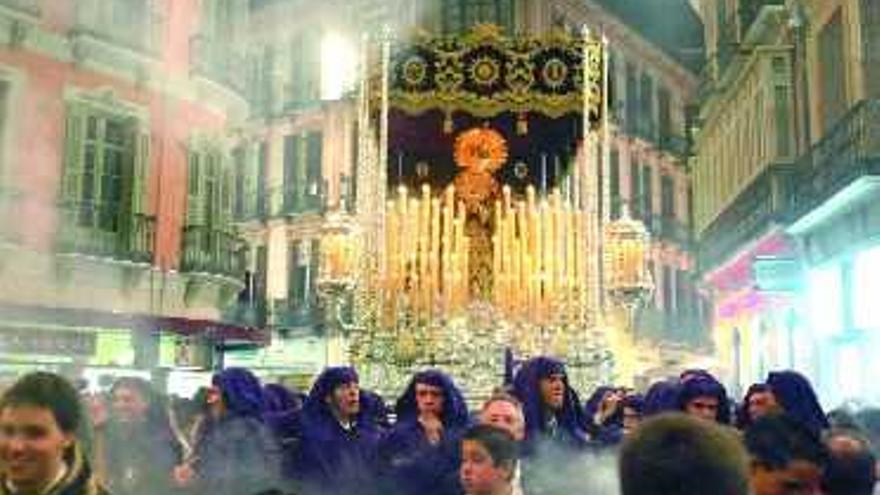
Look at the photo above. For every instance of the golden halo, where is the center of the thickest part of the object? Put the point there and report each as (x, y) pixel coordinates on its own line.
(480, 149)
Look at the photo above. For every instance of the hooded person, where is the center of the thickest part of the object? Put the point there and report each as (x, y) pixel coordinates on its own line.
(661, 397)
(282, 416)
(236, 452)
(551, 406)
(604, 416)
(420, 453)
(339, 446)
(758, 401)
(136, 449)
(632, 408)
(705, 397)
(374, 409)
(795, 396)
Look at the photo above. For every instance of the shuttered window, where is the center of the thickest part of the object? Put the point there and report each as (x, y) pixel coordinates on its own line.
(105, 160)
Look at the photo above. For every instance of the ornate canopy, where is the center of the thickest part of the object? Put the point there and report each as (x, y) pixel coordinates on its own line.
(485, 74)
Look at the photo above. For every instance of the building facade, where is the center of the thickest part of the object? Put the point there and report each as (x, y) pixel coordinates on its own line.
(782, 177)
(116, 232)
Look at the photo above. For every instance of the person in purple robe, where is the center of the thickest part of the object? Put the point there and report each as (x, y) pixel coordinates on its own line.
(705, 397)
(661, 397)
(794, 394)
(375, 409)
(758, 401)
(420, 453)
(282, 415)
(339, 447)
(604, 415)
(236, 453)
(551, 406)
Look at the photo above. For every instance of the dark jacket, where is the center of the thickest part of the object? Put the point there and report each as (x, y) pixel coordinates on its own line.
(237, 454)
(332, 459)
(564, 428)
(411, 464)
(79, 479)
(138, 458)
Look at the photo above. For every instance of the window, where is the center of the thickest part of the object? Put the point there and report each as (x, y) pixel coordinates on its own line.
(303, 174)
(241, 180)
(647, 194)
(209, 243)
(461, 15)
(4, 127)
(262, 196)
(614, 183)
(668, 287)
(647, 119)
(870, 17)
(832, 63)
(632, 99)
(262, 271)
(635, 189)
(667, 197)
(683, 294)
(664, 110)
(105, 155)
(614, 97)
(293, 148)
(303, 272)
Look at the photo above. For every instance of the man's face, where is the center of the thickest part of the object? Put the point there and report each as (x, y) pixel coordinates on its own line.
(798, 478)
(506, 416)
(32, 446)
(429, 399)
(214, 400)
(129, 405)
(704, 407)
(346, 400)
(479, 473)
(762, 403)
(553, 391)
(631, 420)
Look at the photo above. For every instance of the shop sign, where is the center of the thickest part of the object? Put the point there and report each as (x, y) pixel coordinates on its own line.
(47, 342)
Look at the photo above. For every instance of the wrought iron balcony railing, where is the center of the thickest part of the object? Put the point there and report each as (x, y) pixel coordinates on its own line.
(287, 313)
(849, 151)
(283, 201)
(134, 241)
(207, 250)
(765, 202)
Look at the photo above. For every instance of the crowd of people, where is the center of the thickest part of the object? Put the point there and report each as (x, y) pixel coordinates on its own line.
(533, 436)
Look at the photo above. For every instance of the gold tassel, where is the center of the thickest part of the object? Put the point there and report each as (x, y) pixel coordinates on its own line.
(522, 124)
(447, 124)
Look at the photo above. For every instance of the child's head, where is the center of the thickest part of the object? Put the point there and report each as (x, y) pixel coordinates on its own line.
(488, 459)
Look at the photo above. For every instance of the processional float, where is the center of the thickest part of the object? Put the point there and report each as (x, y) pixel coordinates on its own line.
(497, 241)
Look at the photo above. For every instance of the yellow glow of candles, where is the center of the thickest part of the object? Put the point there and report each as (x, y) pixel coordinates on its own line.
(426, 256)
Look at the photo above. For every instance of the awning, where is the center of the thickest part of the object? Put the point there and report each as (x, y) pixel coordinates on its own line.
(216, 331)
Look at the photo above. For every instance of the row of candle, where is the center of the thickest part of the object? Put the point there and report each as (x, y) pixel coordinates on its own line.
(426, 254)
(538, 261)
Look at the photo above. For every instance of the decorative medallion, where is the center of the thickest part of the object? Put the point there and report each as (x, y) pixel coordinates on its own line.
(414, 70)
(480, 149)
